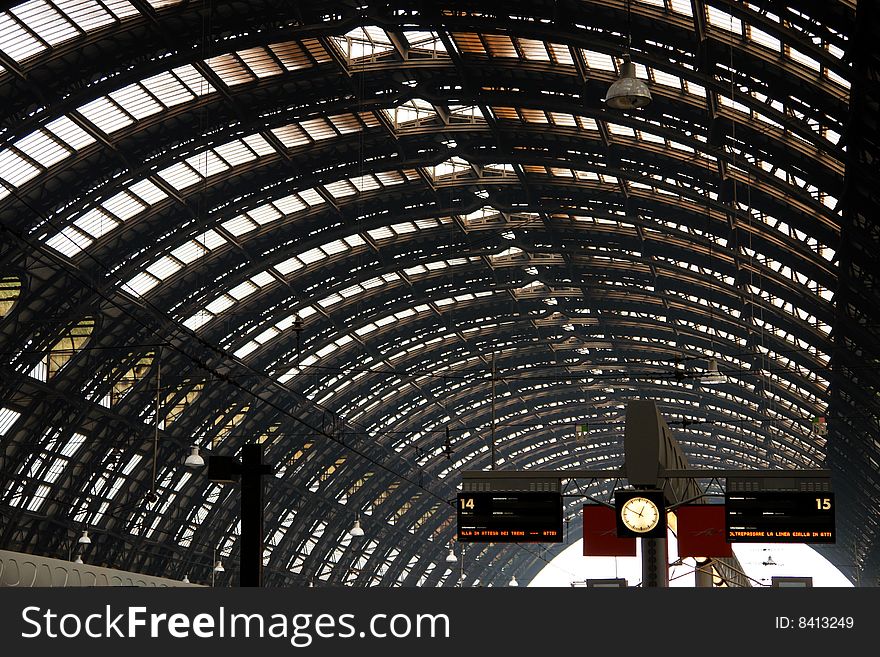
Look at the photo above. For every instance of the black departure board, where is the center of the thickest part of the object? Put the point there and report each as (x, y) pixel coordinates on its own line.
(510, 517)
(779, 517)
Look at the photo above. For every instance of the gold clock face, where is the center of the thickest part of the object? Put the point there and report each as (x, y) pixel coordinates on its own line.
(640, 514)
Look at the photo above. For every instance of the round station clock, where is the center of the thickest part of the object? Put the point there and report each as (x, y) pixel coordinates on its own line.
(640, 514)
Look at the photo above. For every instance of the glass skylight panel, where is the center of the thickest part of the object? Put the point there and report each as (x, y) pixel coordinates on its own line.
(147, 192)
(88, 14)
(365, 183)
(312, 255)
(137, 102)
(207, 163)
(259, 145)
(95, 223)
(380, 233)
(105, 115)
(351, 291)
(44, 21)
(340, 189)
(243, 290)
(189, 252)
(16, 41)
(617, 129)
(533, 115)
(311, 197)
(198, 320)
(235, 152)
(667, 79)
(246, 350)
(834, 77)
(363, 42)
(69, 242)
(263, 279)
(598, 60)
(723, 20)
(764, 39)
(500, 45)
(141, 284)
(267, 335)
(318, 129)
(328, 301)
(505, 113)
(211, 239)
(390, 177)
(801, 58)
(450, 166)
(15, 169)
(164, 267)
(291, 55)
(42, 148)
(428, 223)
(264, 214)
(563, 119)
(412, 110)
(345, 123)
(260, 62)
(587, 123)
(696, 89)
(179, 176)
(239, 225)
(651, 137)
(195, 82)
(288, 266)
(291, 135)
(7, 419)
(120, 8)
(334, 247)
(534, 50)
(221, 303)
(289, 204)
(123, 206)
(229, 69)
(168, 89)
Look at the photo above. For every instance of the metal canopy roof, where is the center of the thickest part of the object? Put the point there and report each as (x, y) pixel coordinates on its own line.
(429, 187)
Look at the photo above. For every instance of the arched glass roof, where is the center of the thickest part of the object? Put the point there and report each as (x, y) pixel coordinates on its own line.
(431, 188)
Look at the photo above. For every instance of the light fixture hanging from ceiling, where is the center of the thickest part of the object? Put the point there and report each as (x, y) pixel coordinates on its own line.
(713, 377)
(194, 460)
(356, 530)
(627, 92)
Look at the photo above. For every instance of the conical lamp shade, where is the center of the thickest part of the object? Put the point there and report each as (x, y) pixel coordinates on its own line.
(713, 377)
(627, 92)
(194, 460)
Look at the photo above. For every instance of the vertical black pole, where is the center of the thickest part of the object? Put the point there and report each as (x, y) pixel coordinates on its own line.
(251, 568)
(655, 571)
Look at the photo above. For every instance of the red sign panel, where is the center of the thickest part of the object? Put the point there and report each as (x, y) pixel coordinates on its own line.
(701, 531)
(600, 534)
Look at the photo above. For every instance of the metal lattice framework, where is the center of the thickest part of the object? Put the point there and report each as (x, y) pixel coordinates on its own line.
(431, 187)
